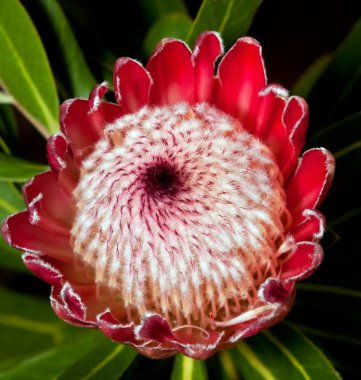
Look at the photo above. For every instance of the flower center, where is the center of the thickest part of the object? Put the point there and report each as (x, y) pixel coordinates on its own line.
(161, 179)
(180, 212)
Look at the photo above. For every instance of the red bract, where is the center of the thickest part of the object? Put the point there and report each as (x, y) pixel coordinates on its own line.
(179, 219)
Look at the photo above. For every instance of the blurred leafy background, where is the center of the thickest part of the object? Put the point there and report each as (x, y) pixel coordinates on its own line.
(51, 50)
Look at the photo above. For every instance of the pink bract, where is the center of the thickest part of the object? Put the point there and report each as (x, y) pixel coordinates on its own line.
(180, 218)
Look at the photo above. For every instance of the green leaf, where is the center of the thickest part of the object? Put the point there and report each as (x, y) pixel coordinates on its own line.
(5, 98)
(24, 69)
(28, 326)
(231, 18)
(4, 147)
(10, 202)
(10, 258)
(228, 366)
(18, 170)
(305, 83)
(108, 360)
(52, 363)
(174, 25)
(63, 49)
(155, 9)
(336, 94)
(188, 369)
(282, 353)
(8, 128)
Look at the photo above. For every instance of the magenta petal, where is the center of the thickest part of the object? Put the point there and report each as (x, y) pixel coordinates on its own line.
(156, 328)
(114, 329)
(21, 234)
(49, 207)
(269, 123)
(105, 114)
(63, 312)
(304, 261)
(42, 268)
(242, 76)
(75, 124)
(96, 96)
(61, 162)
(83, 121)
(295, 119)
(100, 113)
(309, 226)
(266, 320)
(73, 302)
(269, 117)
(203, 351)
(172, 71)
(252, 327)
(274, 291)
(69, 176)
(132, 84)
(281, 123)
(311, 181)
(57, 147)
(207, 49)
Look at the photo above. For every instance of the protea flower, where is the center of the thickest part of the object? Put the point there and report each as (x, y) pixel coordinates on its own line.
(179, 219)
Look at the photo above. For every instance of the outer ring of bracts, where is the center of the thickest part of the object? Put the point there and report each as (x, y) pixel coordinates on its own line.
(239, 89)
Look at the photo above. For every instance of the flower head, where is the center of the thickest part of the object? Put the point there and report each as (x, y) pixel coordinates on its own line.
(179, 219)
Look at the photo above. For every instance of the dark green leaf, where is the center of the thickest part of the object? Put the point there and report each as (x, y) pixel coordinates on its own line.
(231, 18)
(8, 128)
(10, 203)
(18, 170)
(228, 366)
(24, 69)
(305, 83)
(336, 94)
(3, 146)
(10, 257)
(52, 363)
(155, 9)
(27, 327)
(188, 369)
(108, 360)
(282, 353)
(63, 49)
(11, 200)
(174, 25)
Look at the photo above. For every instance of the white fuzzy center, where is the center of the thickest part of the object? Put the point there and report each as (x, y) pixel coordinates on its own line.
(180, 212)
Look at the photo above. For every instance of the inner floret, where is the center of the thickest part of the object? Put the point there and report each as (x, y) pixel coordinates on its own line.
(161, 179)
(180, 212)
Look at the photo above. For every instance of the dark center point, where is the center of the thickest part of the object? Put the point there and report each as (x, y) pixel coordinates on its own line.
(161, 179)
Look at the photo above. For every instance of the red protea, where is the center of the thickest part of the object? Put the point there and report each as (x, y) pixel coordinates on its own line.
(179, 219)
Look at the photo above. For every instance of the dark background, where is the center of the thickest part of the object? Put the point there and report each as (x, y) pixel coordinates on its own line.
(292, 33)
